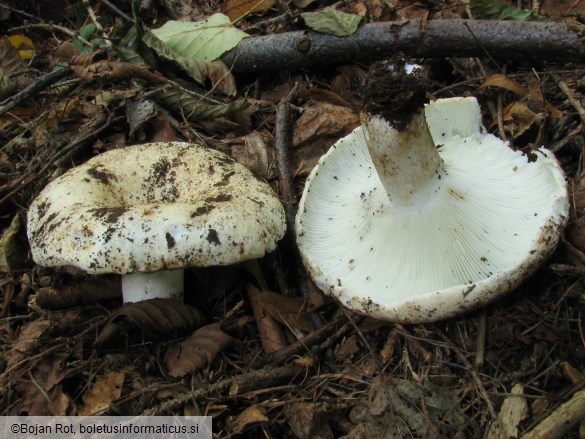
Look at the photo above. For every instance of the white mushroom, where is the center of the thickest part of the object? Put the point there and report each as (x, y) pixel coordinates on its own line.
(148, 211)
(422, 224)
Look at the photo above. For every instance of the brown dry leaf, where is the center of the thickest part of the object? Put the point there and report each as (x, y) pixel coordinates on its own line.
(324, 119)
(322, 95)
(251, 415)
(348, 348)
(161, 129)
(236, 9)
(518, 118)
(10, 60)
(153, 318)
(409, 10)
(197, 351)
(347, 84)
(269, 330)
(102, 393)
(76, 293)
(256, 153)
(571, 373)
(53, 402)
(221, 78)
(287, 310)
(502, 81)
(28, 340)
(112, 69)
(307, 420)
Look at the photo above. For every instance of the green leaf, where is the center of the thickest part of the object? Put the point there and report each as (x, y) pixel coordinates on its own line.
(493, 10)
(333, 22)
(204, 40)
(198, 70)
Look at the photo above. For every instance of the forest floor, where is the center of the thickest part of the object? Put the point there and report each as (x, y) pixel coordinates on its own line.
(273, 359)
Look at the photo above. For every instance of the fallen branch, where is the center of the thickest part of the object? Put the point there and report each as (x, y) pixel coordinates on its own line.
(437, 38)
(560, 422)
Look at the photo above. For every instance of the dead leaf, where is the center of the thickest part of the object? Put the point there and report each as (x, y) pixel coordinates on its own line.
(347, 349)
(322, 95)
(153, 319)
(269, 330)
(28, 339)
(250, 416)
(10, 60)
(197, 351)
(24, 45)
(34, 402)
(77, 293)
(323, 119)
(87, 69)
(256, 153)
(409, 10)
(161, 129)
(236, 9)
(102, 393)
(348, 83)
(287, 310)
(307, 420)
(518, 118)
(502, 81)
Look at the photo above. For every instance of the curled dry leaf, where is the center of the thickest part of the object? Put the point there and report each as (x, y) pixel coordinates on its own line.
(152, 319)
(236, 9)
(502, 81)
(115, 70)
(250, 416)
(197, 351)
(77, 293)
(103, 392)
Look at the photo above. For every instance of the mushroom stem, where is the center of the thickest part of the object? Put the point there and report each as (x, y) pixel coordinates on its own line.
(407, 161)
(140, 286)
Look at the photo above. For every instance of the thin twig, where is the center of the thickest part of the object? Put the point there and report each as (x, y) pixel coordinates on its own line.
(95, 21)
(574, 102)
(116, 9)
(265, 377)
(54, 27)
(33, 89)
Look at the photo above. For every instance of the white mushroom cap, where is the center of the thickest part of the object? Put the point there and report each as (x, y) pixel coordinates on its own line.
(490, 221)
(151, 207)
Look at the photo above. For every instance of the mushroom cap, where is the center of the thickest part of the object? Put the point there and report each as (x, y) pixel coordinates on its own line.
(495, 218)
(153, 207)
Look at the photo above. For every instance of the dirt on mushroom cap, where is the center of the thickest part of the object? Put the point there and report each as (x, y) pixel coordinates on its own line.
(152, 207)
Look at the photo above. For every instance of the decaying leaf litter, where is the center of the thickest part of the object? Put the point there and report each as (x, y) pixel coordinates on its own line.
(273, 356)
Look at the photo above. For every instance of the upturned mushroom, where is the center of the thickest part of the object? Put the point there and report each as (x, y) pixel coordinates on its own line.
(149, 211)
(421, 215)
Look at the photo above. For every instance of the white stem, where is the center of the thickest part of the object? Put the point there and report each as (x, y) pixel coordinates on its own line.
(407, 162)
(160, 284)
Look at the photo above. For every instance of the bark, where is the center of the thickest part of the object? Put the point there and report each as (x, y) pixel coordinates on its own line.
(438, 38)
